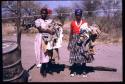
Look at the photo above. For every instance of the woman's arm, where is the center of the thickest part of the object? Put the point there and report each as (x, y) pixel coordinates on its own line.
(70, 36)
(41, 30)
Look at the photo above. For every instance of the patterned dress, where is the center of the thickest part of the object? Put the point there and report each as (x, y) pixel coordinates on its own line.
(77, 52)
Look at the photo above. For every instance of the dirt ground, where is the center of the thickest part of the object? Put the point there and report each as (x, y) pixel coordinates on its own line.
(107, 55)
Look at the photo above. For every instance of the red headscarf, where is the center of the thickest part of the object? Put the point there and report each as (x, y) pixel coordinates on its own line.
(49, 11)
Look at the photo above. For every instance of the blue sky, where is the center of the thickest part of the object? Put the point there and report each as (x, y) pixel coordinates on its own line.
(52, 4)
(55, 4)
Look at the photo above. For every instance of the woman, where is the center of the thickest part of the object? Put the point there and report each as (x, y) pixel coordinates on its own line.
(77, 57)
(42, 46)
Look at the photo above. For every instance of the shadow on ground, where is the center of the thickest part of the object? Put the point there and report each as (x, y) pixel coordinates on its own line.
(89, 69)
(50, 68)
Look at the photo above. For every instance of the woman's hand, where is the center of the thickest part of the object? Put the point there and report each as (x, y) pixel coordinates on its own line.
(41, 30)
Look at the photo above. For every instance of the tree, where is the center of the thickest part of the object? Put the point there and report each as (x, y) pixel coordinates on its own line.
(27, 7)
(9, 7)
(112, 10)
(89, 7)
(63, 13)
(31, 7)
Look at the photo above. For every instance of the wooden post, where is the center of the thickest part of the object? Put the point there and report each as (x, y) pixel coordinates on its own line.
(18, 24)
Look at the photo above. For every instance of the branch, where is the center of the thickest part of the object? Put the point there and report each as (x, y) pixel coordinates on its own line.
(10, 9)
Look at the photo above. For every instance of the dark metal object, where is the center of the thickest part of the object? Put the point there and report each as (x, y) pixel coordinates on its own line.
(31, 67)
(12, 67)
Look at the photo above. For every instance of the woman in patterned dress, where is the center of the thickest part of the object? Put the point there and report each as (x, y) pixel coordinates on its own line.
(78, 59)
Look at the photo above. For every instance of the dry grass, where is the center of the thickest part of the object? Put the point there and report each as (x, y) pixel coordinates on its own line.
(8, 29)
(32, 30)
(113, 36)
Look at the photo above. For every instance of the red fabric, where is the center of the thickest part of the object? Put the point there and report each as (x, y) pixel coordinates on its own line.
(75, 29)
(49, 11)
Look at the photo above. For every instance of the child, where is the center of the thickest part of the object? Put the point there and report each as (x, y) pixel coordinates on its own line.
(94, 35)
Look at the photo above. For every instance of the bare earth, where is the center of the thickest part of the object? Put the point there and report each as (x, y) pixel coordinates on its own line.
(107, 55)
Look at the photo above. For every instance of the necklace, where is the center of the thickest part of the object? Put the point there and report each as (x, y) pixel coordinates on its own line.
(78, 25)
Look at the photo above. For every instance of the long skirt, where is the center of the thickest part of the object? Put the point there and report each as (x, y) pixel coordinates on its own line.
(77, 53)
(39, 51)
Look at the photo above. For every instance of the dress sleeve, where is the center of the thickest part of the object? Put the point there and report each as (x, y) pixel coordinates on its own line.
(37, 23)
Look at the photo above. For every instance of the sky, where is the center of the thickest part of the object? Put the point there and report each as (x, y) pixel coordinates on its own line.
(52, 4)
(55, 4)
